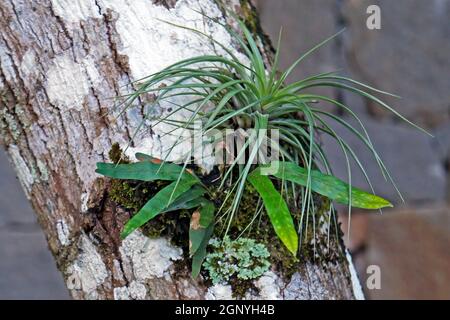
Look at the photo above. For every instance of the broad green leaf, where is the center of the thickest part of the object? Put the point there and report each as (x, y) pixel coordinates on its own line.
(277, 209)
(199, 255)
(188, 200)
(207, 214)
(143, 171)
(200, 221)
(157, 204)
(330, 187)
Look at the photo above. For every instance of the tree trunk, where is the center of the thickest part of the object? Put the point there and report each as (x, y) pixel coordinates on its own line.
(61, 61)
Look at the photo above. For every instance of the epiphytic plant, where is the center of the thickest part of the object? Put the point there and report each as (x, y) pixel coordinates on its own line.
(225, 92)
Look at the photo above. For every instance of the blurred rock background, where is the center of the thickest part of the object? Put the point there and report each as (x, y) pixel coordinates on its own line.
(408, 56)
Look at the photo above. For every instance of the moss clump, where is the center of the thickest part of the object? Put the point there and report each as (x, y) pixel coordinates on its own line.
(250, 16)
(244, 259)
(174, 225)
(116, 154)
(240, 287)
(130, 195)
(133, 195)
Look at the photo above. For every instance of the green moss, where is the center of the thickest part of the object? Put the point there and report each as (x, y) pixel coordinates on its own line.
(174, 225)
(240, 287)
(116, 154)
(133, 195)
(250, 16)
(130, 194)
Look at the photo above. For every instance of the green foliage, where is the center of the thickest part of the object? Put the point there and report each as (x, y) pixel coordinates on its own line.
(130, 195)
(157, 204)
(328, 186)
(242, 258)
(254, 95)
(143, 171)
(184, 192)
(277, 210)
(247, 94)
(200, 231)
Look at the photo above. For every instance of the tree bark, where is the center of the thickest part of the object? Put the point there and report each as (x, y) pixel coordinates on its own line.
(61, 61)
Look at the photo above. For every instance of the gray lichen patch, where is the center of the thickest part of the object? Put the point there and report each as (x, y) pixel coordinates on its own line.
(42, 170)
(10, 123)
(219, 292)
(149, 258)
(24, 173)
(135, 291)
(88, 271)
(269, 286)
(63, 232)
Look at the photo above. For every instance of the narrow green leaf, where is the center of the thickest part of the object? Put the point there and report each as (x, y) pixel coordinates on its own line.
(330, 186)
(200, 221)
(200, 253)
(277, 209)
(207, 214)
(188, 200)
(143, 171)
(157, 204)
(200, 231)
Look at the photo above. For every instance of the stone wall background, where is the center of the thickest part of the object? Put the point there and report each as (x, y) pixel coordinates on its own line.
(409, 56)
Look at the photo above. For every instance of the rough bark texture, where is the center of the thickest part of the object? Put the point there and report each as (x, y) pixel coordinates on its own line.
(60, 63)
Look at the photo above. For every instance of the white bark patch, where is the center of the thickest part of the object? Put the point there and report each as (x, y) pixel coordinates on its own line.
(149, 258)
(84, 201)
(75, 10)
(121, 293)
(63, 232)
(7, 64)
(356, 285)
(28, 67)
(42, 170)
(308, 286)
(269, 285)
(88, 271)
(297, 289)
(24, 173)
(151, 45)
(135, 290)
(219, 292)
(116, 271)
(68, 82)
